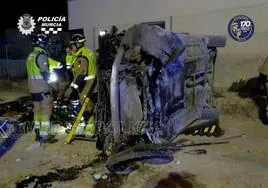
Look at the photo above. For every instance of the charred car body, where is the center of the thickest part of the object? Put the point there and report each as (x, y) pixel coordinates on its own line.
(155, 85)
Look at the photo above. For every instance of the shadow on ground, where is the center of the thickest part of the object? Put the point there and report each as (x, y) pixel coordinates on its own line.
(177, 180)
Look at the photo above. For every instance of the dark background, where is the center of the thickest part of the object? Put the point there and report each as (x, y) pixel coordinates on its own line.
(13, 44)
(13, 9)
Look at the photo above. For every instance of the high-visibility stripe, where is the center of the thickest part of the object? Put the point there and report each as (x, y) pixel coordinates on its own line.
(44, 128)
(55, 67)
(37, 124)
(75, 104)
(36, 77)
(74, 100)
(213, 129)
(43, 133)
(89, 77)
(45, 123)
(75, 86)
(58, 67)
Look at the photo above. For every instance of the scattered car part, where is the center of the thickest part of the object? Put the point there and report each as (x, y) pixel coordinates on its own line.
(197, 152)
(16, 119)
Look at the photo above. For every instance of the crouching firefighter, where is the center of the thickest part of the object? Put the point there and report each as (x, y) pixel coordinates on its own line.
(39, 82)
(84, 82)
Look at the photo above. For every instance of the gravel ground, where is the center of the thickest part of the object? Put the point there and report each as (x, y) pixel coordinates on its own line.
(241, 163)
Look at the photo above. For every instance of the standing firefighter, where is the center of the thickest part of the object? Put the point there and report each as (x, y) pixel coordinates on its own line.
(39, 80)
(69, 57)
(84, 72)
(69, 62)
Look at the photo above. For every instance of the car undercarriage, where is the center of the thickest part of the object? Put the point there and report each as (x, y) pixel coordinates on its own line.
(155, 85)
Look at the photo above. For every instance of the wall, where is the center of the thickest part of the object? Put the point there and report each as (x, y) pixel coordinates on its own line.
(12, 68)
(236, 60)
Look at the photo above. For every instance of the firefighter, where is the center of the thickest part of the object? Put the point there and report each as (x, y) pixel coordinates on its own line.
(39, 82)
(84, 72)
(69, 62)
(54, 69)
(53, 64)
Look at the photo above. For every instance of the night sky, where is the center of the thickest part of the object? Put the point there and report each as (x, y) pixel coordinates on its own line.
(16, 8)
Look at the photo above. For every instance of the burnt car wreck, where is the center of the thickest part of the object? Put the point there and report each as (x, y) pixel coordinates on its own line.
(155, 85)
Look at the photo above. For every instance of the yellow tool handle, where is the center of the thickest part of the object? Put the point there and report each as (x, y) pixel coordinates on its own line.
(77, 121)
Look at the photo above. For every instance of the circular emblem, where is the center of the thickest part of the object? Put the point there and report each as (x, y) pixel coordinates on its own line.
(241, 28)
(26, 24)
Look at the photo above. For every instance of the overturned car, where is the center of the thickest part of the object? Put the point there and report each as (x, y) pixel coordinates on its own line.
(155, 85)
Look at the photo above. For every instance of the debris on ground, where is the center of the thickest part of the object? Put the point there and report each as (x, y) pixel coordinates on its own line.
(65, 174)
(97, 177)
(179, 180)
(104, 177)
(197, 152)
(122, 162)
(237, 86)
(75, 155)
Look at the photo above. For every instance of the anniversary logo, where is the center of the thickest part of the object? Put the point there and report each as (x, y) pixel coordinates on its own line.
(241, 28)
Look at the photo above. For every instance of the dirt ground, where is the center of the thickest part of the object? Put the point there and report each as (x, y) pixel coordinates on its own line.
(11, 90)
(241, 163)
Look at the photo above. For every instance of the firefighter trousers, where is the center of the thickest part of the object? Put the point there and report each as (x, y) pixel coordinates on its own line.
(89, 112)
(42, 113)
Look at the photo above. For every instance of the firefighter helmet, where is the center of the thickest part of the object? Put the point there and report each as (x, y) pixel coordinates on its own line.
(78, 38)
(40, 39)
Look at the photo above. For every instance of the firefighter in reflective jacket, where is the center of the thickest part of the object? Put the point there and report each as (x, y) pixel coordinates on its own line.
(69, 62)
(84, 72)
(69, 57)
(39, 82)
(53, 64)
(54, 67)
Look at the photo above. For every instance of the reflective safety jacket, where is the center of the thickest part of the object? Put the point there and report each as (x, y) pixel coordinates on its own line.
(69, 60)
(36, 80)
(53, 64)
(90, 70)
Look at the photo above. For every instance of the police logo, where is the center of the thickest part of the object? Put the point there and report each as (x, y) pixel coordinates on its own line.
(51, 25)
(26, 24)
(241, 28)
